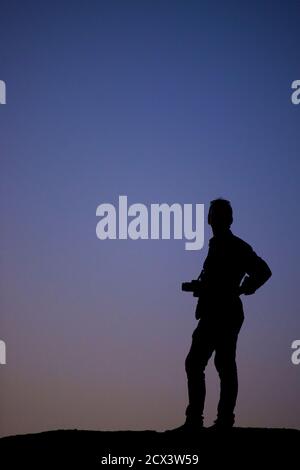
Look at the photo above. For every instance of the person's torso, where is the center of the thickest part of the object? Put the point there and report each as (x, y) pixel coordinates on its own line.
(223, 271)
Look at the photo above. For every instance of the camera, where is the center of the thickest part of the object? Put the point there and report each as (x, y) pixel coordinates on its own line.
(192, 286)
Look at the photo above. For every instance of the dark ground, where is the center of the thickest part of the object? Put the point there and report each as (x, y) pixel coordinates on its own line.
(237, 448)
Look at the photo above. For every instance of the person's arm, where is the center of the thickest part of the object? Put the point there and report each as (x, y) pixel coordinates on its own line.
(201, 278)
(258, 273)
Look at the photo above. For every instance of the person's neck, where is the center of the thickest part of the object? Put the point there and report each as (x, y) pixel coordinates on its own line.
(220, 233)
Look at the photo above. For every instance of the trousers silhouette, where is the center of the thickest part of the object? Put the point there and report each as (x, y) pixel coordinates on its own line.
(209, 337)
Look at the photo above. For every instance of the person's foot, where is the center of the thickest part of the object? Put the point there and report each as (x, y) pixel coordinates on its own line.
(220, 425)
(187, 428)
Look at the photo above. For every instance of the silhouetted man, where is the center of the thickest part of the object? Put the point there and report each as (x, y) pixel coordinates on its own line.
(231, 268)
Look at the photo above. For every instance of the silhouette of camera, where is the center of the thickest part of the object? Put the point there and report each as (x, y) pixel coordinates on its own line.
(192, 286)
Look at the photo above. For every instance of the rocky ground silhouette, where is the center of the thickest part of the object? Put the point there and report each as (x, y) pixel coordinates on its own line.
(235, 448)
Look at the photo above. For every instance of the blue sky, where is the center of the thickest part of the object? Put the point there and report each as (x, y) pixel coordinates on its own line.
(163, 102)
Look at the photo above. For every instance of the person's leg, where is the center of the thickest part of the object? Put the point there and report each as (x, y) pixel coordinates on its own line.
(196, 361)
(225, 362)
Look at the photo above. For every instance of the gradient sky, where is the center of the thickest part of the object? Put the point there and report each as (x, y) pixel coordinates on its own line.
(164, 101)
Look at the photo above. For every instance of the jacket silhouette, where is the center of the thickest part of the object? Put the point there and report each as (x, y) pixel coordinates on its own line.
(229, 261)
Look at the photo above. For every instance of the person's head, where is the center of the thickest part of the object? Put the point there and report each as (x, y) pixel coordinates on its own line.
(220, 215)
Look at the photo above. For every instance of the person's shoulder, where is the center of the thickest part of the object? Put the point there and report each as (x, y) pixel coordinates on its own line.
(241, 244)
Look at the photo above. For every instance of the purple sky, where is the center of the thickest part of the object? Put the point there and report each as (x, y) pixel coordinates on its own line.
(164, 102)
